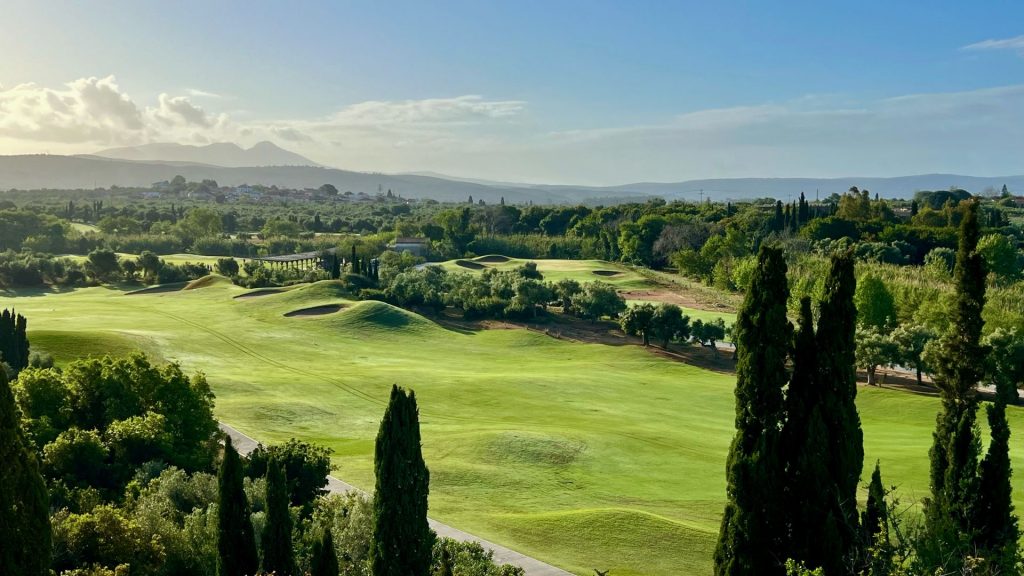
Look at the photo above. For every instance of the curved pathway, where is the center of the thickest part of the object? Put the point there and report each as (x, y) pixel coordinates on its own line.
(533, 567)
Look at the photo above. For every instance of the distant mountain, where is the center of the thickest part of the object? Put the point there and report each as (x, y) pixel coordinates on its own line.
(787, 188)
(88, 172)
(226, 154)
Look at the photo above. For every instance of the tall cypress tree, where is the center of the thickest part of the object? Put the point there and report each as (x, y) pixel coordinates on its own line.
(951, 509)
(837, 377)
(994, 515)
(325, 558)
(753, 526)
(25, 540)
(811, 497)
(402, 541)
(14, 340)
(236, 542)
(278, 555)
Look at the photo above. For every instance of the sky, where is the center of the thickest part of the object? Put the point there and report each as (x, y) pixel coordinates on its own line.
(584, 92)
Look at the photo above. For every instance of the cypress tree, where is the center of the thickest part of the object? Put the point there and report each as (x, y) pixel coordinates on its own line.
(837, 377)
(998, 531)
(811, 491)
(25, 539)
(278, 556)
(236, 543)
(753, 525)
(14, 340)
(950, 511)
(325, 558)
(402, 541)
(874, 517)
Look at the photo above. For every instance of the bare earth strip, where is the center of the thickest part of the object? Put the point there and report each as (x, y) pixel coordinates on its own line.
(533, 567)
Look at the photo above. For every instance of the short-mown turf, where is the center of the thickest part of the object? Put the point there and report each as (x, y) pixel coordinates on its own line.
(584, 455)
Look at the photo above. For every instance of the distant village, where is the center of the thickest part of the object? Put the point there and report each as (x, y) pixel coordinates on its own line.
(210, 191)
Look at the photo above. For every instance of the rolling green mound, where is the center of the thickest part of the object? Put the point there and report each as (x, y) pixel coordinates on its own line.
(615, 539)
(370, 315)
(67, 346)
(208, 281)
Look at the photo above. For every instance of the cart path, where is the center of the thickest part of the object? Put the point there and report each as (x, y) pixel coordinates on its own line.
(533, 567)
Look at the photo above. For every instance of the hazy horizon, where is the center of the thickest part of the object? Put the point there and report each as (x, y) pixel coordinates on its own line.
(577, 93)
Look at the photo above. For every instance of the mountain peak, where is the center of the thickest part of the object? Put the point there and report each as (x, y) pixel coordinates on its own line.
(227, 154)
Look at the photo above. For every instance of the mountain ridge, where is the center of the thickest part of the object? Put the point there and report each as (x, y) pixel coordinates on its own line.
(226, 154)
(28, 172)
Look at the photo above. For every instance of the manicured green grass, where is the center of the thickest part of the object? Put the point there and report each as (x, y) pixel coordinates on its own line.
(554, 270)
(693, 313)
(584, 455)
(210, 261)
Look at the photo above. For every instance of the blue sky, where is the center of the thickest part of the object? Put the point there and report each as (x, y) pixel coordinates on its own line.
(586, 92)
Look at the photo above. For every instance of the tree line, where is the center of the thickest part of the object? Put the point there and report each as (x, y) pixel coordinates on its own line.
(797, 456)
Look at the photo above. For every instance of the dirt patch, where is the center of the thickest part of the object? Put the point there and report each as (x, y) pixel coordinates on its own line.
(663, 296)
(254, 293)
(492, 259)
(606, 273)
(315, 310)
(177, 286)
(469, 264)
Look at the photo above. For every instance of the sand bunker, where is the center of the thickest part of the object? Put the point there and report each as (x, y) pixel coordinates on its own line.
(315, 310)
(158, 289)
(492, 259)
(255, 293)
(470, 265)
(606, 272)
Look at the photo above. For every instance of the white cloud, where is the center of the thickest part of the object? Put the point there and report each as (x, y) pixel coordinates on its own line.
(85, 110)
(197, 93)
(1015, 43)
(824, 135)
(179, 110)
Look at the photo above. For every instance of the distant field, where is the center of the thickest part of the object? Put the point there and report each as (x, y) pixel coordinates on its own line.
(210, 261)
(583, 455)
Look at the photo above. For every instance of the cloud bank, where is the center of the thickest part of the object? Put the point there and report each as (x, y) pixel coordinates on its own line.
(977, 132)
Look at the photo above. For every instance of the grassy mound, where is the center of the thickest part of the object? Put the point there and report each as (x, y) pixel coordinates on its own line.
(307, 295)
(534, 449)
(315, 310)
(373, 315)
(208, 281)
(259, 292)
(615, 539)
(66, 346)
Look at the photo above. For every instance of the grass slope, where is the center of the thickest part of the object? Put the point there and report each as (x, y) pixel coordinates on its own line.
(583, 455)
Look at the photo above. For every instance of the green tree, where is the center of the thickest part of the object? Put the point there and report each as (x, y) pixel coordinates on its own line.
(236, 541)
(837, 374)
(325, 560)
(708, 333)
(402, 540)
(874, 349)
(1004, 368)
(810, 491)
(639, 321)
(305, 465)
(278, 556)
(102, 265)
(876, 306)
(753, 525)
(949, 512)
(998, 530)
(598, 300)
(1000, 254)
(670, 324)
(910, 341)
(24, 504)
(565, 289)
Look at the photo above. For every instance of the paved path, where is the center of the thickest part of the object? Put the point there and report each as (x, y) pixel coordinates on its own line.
(502, 555)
